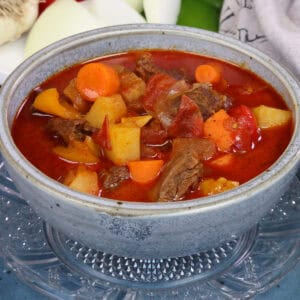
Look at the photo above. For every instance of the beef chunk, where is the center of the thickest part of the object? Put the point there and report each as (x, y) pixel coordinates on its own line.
(70, 129)
(208, 100)
(145, 68)
(113, 177)
(132, 89)
(204, 149)
(73, 95)
(153, 133)
(184, 170)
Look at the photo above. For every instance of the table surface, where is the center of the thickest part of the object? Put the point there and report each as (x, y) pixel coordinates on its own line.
(13, 289)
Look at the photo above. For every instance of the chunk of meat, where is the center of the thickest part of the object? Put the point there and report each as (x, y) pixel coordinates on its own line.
(153, 133)
(208, 100)
(72, 93)
(113, 177)
(132, 89)
(70, 129)
(146, 68)
(184, 170)
(204, 149)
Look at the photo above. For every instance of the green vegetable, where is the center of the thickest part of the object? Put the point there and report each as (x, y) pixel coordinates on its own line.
(200, 13)
(216, 3)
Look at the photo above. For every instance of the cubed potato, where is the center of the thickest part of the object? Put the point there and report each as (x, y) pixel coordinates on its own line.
(113, 107)
(216, 186)
(48, 102)
(139, 121)
(268, 117)
(125, 143)
(83, 180)
(77, 152)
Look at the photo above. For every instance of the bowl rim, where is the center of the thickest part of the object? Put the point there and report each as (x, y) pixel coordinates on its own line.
(285, 163)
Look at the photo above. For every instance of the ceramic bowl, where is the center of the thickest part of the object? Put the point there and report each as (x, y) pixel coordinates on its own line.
(147, 230)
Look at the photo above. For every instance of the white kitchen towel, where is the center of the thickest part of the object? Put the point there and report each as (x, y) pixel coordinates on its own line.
(272, 26)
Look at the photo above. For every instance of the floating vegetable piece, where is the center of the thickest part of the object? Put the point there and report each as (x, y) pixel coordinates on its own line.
(48, 102)
(67, 17)
(112, 12)
(245, 130)
(97, 79)
(145, 171)
(125, 143)
(113, 107)
(207, 74)
(101, 136)
(216, 186)
(83, 180)
(76, 151)
(139, 121)
(217, 128)
(268, 117)
(158, 11)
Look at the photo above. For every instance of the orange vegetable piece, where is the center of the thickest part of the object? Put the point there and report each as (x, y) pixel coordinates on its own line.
(97, 79)
(222, 161)
(144, 171)
(207, 73)
(216, 186)
(48, 102)
(77, 151)
(217, 128)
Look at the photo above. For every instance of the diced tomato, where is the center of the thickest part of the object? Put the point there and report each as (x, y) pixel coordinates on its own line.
(157, 87)
(188, 121)
(101, 137)
(246, 132)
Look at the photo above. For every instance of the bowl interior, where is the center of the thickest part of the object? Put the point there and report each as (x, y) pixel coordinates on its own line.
(90, 45)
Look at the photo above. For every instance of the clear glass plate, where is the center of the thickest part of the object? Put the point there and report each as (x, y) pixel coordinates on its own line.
(62, 268)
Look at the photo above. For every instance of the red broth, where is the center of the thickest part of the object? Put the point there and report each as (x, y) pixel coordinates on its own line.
(241, 85)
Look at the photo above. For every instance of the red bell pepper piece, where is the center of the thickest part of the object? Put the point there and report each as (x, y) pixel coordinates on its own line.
(246, 132)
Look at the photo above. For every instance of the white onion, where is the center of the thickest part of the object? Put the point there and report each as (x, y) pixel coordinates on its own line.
(112, 12)
(61, 19)
(136, 4)
(162, 11)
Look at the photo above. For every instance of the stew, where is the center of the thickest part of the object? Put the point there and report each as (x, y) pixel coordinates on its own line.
(153, 125)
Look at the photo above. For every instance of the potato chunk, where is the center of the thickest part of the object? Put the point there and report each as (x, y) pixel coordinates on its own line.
(113, 107)
(48, 102)
(125, 143)
(82, 152)
(139, 121)
(83, 180)
(216, 186)
(268, 117)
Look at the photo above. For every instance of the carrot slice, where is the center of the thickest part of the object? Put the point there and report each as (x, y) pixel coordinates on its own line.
(97, 79)
(144, 171)
(217, 128)
(207, 73)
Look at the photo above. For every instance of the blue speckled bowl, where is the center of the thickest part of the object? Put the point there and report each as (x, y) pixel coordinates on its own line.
(147, 230)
